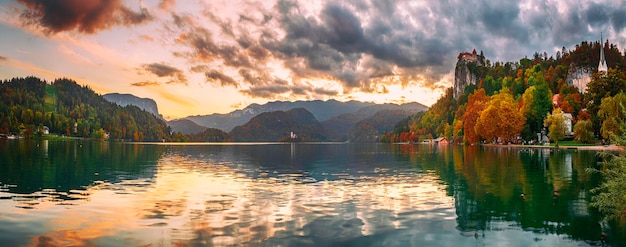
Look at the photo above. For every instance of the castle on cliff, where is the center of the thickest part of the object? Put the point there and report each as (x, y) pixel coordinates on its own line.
(464, 72)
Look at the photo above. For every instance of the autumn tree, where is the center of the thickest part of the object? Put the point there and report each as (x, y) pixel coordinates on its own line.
(500, 119)
(612, 113)
(475, 105)
(583, 131)
(556, 125)
(458, 129)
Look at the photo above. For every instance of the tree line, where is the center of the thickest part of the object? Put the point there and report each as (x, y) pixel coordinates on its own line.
(28, 105)
(513, 101)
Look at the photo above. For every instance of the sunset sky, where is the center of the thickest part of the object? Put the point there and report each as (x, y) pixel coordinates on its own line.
(200, 57)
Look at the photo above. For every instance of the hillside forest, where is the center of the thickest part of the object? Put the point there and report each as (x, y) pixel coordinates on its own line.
(513, 101)
(28, 105)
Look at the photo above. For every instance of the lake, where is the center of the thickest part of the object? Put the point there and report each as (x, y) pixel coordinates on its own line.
(83, 193)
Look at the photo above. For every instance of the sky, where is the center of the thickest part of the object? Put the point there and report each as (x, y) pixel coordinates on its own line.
(200, 57)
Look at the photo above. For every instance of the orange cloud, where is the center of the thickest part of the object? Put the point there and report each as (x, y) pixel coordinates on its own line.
(145, 83)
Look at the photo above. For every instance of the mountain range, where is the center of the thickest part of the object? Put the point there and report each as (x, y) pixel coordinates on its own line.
(337, 119)
(322, 110)
(314, 120)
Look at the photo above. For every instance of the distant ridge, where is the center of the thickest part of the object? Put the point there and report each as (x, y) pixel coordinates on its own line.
(341, 125)
(278, 126)
(185, 126)
(145, 104)
(321, 110)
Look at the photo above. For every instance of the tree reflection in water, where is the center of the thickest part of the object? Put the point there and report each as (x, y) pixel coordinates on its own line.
(304, 194)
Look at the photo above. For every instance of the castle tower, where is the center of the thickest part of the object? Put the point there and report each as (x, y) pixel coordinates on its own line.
(602, 65)
(463, 76)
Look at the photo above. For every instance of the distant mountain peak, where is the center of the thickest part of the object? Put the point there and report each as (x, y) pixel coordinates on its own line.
(145, 104)
(279, 125)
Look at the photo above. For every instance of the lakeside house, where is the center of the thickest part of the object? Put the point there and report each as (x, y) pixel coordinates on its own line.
(441, 140)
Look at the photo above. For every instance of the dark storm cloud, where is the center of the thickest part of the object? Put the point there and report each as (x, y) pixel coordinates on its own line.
(266, 91)
(86, 16)
(2, 58)
(336, 44)
(205, 48)
(332, 46)
(216, 76)
(501, 18)
(367, 45)
(323, 91)
(160, 69)
(283, 87)
(603, 15)
(618, 19)
(163, 70)
(254, 77)
(596, 14)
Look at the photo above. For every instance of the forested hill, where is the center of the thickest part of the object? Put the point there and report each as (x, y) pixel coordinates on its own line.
(512, 99)
(278, 126)
(66, 108)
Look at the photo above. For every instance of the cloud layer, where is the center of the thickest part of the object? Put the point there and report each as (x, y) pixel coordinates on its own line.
(327, 48)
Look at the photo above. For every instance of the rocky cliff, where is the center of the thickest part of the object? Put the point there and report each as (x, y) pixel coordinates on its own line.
(145, 104)
(579, 76)
(465, 72)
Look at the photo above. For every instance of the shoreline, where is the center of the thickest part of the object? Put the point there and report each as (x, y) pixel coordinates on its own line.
(611, 148)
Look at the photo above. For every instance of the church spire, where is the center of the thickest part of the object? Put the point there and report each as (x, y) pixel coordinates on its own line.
(602, 65)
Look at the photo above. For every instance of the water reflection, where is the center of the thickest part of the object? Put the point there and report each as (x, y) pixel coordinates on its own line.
(112, 194)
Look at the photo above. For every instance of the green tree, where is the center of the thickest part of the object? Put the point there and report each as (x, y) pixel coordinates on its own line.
(583, 131)
(99, 134)
(491, 85)
(601, 86)
(612, 114)
(609, 196)
(537, 103)
(556, 125)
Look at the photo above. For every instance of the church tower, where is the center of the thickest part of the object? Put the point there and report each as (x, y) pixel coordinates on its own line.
(602, 65)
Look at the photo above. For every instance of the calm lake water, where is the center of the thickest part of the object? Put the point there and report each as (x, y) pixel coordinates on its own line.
(80, 193)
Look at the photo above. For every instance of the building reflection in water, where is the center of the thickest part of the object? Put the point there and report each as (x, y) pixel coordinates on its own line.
(296, 194)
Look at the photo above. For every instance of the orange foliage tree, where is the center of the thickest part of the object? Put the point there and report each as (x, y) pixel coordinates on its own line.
(500, 119)
(475, 105)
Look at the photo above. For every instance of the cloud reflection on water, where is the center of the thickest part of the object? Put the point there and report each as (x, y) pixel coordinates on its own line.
(302, 195)
(194, 201)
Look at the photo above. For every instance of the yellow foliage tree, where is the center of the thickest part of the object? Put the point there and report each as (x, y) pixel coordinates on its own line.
(501, 118)
(613, 114)
(556, 125)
